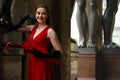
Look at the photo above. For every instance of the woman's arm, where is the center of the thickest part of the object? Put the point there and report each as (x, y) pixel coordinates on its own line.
(54, 40)
(27, 28)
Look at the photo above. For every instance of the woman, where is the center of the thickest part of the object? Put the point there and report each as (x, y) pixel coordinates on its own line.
(37, 46)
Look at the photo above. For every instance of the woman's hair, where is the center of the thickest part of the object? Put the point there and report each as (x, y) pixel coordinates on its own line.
(46, 7)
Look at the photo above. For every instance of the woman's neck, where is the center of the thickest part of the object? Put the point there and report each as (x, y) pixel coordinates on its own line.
(42, 25)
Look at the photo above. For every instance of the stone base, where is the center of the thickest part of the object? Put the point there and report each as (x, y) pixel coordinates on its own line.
(87, 64)
(110, 61)
(86, 78)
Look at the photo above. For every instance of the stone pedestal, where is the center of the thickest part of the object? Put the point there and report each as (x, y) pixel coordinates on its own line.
(87, 64)
(110, 62)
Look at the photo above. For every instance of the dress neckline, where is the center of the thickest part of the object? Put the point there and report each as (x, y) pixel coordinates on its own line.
(38, 33)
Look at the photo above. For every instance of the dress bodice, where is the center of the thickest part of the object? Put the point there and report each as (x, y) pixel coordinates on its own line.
(41, 39)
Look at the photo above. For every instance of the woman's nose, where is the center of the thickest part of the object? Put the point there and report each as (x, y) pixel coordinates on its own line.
(40, 15)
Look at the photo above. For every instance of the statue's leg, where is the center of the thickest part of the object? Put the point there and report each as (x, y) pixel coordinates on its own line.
(7, 12)
(92, 21)
(1, 7)
(1, 36)
(81, 21)
(108, 21)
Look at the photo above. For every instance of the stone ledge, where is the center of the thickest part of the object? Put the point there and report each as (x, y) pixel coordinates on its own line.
(86, 78)
(87, 50)
(110, 51)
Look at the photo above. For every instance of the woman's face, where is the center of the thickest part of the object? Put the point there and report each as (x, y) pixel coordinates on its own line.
(41, 15)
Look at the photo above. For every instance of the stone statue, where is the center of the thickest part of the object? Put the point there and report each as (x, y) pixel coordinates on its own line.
(82, 22)
(5, 17)
(5, 20)
(5, 13)
(108, 23)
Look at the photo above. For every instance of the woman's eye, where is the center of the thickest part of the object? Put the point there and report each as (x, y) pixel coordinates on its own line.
(38, 12)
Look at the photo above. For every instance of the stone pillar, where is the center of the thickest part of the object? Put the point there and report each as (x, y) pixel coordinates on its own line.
(66, 13)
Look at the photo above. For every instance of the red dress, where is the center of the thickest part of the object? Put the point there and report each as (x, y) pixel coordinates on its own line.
(40, 69)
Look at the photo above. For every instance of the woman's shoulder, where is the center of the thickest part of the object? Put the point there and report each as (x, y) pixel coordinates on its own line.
(33, 27)
(51, 32)
(50, 29)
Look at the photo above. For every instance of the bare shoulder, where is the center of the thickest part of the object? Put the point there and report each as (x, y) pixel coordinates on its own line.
(51, 32)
